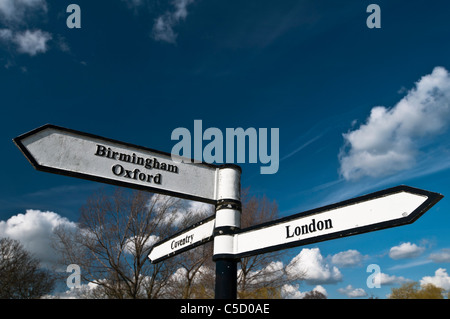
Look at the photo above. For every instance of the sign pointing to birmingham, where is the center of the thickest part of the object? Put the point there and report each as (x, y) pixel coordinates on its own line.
(68, 152)
(384, 209)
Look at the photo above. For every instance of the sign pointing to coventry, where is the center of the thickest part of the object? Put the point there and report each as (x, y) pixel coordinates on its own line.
(189, 238)
(384, 209)
(68, 152)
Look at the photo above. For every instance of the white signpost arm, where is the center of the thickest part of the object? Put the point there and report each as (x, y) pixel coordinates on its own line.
(388, 208)
(189, 238)
(64, 151)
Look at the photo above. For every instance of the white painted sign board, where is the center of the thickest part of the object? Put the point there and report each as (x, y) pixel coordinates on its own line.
(68, 152)
(388, 208)
(189, 238)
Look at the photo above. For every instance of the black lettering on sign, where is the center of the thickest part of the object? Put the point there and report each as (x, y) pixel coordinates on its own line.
(309, 228)
(135, 174)
(148, 163)
(182, 242)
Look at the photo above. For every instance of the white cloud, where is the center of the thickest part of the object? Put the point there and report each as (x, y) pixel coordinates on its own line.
(6, 35)
(27, 42)
(321, 289)
(391, 139)
(180, 275)
(351, 292)
(406, 250)
(16, 15)
(311, 264)
(385, 279)
(268, 273)
(347, 258)
(441, 257)
(410, 264)
(164, 24)
(32, 42)
(82, 292)
(293, 292)
(34, 230)
(181, 209)
(440, 279)
(14, 10)
(130, 245)
(199, 208)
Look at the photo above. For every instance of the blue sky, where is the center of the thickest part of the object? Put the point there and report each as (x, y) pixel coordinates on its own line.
(358, 109)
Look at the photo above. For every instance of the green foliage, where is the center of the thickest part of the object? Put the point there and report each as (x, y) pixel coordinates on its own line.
(261, 293)
(413, 290)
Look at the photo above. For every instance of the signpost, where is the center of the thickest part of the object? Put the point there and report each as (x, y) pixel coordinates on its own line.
(388, 208)
(68, 152)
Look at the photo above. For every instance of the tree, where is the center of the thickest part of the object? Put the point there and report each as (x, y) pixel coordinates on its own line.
(20, 274)
(262, 276)
(406, 291)
(113, 239)
(195, 276)
(314, 294)
(115, 234)
(430, 291)
(412, 290)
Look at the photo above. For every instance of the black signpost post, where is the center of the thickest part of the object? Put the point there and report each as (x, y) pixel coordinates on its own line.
(68, 152)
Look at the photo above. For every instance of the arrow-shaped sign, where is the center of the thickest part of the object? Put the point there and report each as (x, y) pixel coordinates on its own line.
(388, 208)
(191, 237)
(68, 152)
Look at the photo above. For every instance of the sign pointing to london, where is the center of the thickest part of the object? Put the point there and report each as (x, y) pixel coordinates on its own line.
(384, 209)
(68, 152)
